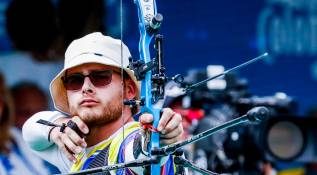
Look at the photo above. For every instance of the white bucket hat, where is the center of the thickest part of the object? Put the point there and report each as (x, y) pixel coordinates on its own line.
(92, 48)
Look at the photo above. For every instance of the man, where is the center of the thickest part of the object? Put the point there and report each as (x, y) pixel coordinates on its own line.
(34, 100)
(90, 89)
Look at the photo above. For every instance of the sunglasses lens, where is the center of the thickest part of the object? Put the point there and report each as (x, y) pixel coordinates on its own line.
(97, 78)
(100, 78)
(74, 82)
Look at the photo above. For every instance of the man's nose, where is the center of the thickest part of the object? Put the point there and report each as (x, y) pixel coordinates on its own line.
(88, 87)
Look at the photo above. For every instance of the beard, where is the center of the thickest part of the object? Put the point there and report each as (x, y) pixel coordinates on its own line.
(101, 115)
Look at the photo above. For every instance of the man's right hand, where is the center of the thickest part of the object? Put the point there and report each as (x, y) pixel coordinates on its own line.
(69, 141)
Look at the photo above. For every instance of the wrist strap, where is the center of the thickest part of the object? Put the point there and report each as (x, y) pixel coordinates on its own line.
(49, 133)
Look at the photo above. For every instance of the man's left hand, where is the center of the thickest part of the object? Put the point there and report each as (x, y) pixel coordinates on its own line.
(170, 126)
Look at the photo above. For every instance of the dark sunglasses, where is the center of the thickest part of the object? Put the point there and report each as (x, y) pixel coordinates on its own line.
(98, 78)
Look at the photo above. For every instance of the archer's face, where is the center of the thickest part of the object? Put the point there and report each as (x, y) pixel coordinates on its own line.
(96, 103)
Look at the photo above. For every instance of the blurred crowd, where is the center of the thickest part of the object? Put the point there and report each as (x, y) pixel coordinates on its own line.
(39, 31)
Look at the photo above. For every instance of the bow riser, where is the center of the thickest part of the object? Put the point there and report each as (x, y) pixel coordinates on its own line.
(146, 12)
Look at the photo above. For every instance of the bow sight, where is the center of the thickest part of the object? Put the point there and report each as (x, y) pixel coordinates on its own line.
(158, 78)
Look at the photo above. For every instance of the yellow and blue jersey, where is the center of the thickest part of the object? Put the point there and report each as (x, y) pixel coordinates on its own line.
(112, 151)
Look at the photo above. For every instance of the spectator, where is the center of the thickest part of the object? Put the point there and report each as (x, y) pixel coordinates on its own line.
(28, 99)
(15, 156)
(32, 27)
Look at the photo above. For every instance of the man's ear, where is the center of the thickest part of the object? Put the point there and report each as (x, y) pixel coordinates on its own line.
(130, 89)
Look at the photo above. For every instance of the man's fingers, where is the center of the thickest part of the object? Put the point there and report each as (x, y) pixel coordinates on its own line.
(170, 125)
(81, 125)
(70, 145)
(69, 141)
(174, 133)
(146, 118)
(175, 120)
(75, 138)
(68, 154)
(168, 113)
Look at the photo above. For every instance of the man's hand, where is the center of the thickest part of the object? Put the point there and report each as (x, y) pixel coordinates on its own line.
(69, 141)
(170, 126)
